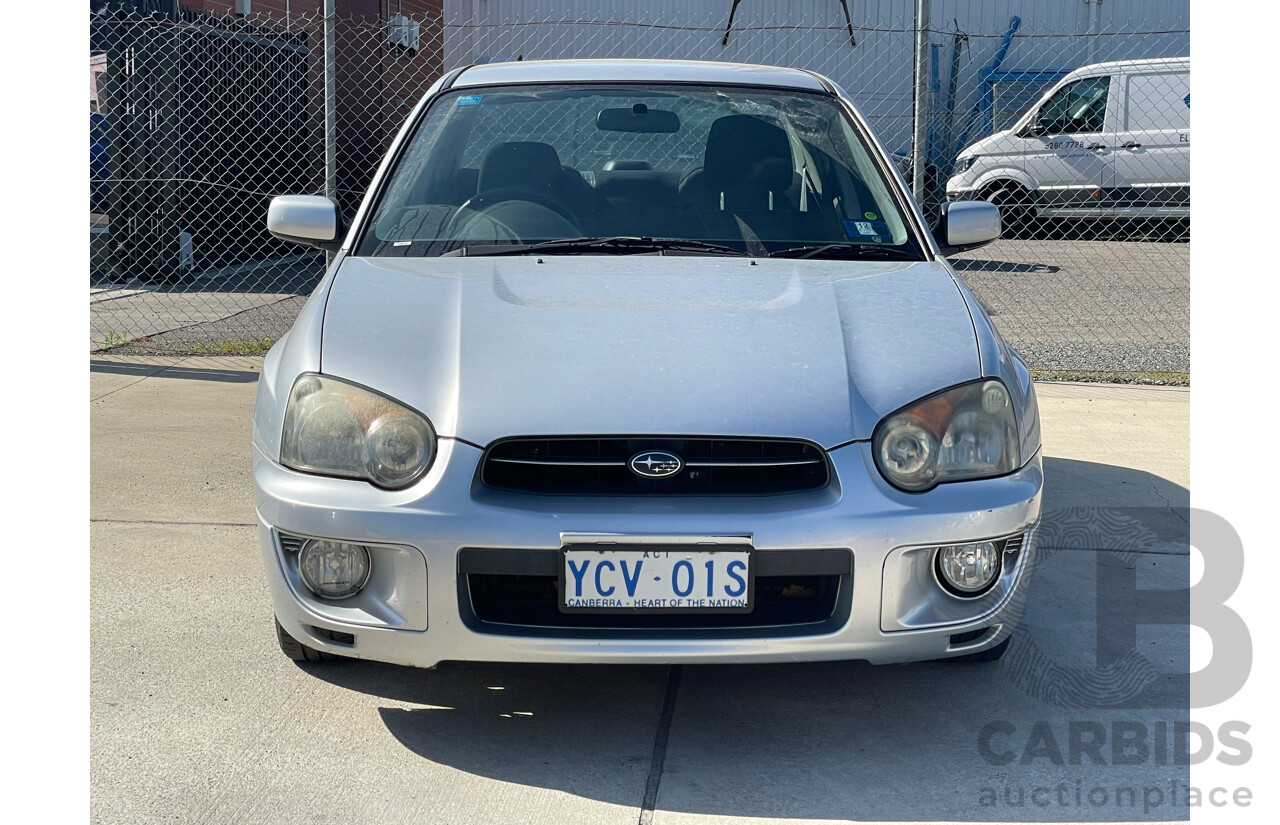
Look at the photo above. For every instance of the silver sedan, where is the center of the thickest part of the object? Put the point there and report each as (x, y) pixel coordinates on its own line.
(642, 361)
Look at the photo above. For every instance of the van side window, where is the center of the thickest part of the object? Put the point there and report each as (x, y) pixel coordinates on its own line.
(1076, 107)
(1158, 102)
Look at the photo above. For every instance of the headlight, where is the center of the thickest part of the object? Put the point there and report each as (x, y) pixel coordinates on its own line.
(965, 432)
(963, 164)
(336, 429)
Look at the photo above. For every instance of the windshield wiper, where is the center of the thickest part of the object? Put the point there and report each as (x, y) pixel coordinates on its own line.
(842, 251)
(623, 245)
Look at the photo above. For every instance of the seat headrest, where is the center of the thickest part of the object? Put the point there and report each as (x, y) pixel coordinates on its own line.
(627, 165)
(528, 165)
(747, 150)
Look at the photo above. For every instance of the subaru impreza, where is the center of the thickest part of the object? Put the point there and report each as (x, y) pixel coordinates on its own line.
(642, 361)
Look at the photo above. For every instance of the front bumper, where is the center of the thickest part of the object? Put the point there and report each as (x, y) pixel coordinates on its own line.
(419, 608)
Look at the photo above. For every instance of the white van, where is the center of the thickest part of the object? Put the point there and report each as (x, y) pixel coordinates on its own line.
(1111, 140)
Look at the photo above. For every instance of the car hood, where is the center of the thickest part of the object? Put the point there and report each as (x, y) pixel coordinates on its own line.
(648, 345)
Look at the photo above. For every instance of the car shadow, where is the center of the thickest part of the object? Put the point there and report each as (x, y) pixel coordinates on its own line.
(848, 740)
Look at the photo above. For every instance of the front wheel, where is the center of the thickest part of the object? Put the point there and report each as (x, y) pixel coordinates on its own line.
(1017, 213)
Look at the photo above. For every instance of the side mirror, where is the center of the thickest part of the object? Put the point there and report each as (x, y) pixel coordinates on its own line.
(310, 220)
(966, 225)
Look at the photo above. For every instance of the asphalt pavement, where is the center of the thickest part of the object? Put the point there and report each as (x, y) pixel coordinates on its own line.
(196, 716)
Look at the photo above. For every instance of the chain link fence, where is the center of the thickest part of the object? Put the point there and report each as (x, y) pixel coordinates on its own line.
(200, 114)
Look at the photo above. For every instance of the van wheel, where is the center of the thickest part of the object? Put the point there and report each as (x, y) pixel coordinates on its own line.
(1016, 210)
(299, 652)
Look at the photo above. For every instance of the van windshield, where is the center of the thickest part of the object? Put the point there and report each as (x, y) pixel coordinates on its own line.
(635, 168)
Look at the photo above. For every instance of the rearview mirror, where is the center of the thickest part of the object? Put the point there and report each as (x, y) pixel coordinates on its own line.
(966, 225)
(310, 220)
(639, 118)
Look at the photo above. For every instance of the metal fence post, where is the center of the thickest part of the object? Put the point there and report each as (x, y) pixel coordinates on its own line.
(920, 116)
(330, 106)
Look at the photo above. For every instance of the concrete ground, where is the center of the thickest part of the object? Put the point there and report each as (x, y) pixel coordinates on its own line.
(196, 716)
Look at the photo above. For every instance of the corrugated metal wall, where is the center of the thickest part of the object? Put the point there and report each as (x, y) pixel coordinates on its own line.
(1054, 36)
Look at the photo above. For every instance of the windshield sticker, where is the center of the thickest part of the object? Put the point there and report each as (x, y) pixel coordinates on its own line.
(871, 216)
(469, 100)
(878, 230)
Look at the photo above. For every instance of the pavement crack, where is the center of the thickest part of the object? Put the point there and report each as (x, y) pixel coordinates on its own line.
(660, 746)
(1178, 512)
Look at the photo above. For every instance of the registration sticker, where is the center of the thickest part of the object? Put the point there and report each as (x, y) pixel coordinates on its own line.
(657, 579)
(867, 229)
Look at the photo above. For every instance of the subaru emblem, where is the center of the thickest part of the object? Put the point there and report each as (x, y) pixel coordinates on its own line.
(655, 464)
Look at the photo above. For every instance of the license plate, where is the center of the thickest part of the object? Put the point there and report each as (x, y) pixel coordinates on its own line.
(657, 579)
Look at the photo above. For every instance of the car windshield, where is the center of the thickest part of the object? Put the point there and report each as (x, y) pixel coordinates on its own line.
(633, 169)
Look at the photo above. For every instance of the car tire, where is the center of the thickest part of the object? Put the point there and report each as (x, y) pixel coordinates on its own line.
(299, 652)
(991, 654)
(1173, 230)
(1017, 214)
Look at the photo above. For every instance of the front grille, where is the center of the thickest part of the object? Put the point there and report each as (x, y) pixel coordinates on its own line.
(517, 592)
(533, 601)
(600, 466)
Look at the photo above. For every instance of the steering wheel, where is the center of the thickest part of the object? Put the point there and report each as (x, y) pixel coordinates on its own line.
(490, 209)
(491, 197)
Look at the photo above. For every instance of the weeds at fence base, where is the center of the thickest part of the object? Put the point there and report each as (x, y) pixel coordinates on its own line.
(119, 340)
(114, 340)
(118, 344)
(253, 347)
(1155, 378)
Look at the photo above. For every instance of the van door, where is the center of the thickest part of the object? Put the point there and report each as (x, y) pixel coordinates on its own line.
(1151, 169)
(1067, 155)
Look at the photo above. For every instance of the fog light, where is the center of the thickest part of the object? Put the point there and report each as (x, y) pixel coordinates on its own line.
(333, 569)
(968, 569)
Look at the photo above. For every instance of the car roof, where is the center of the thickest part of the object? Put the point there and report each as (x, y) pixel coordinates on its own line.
(637, 71)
